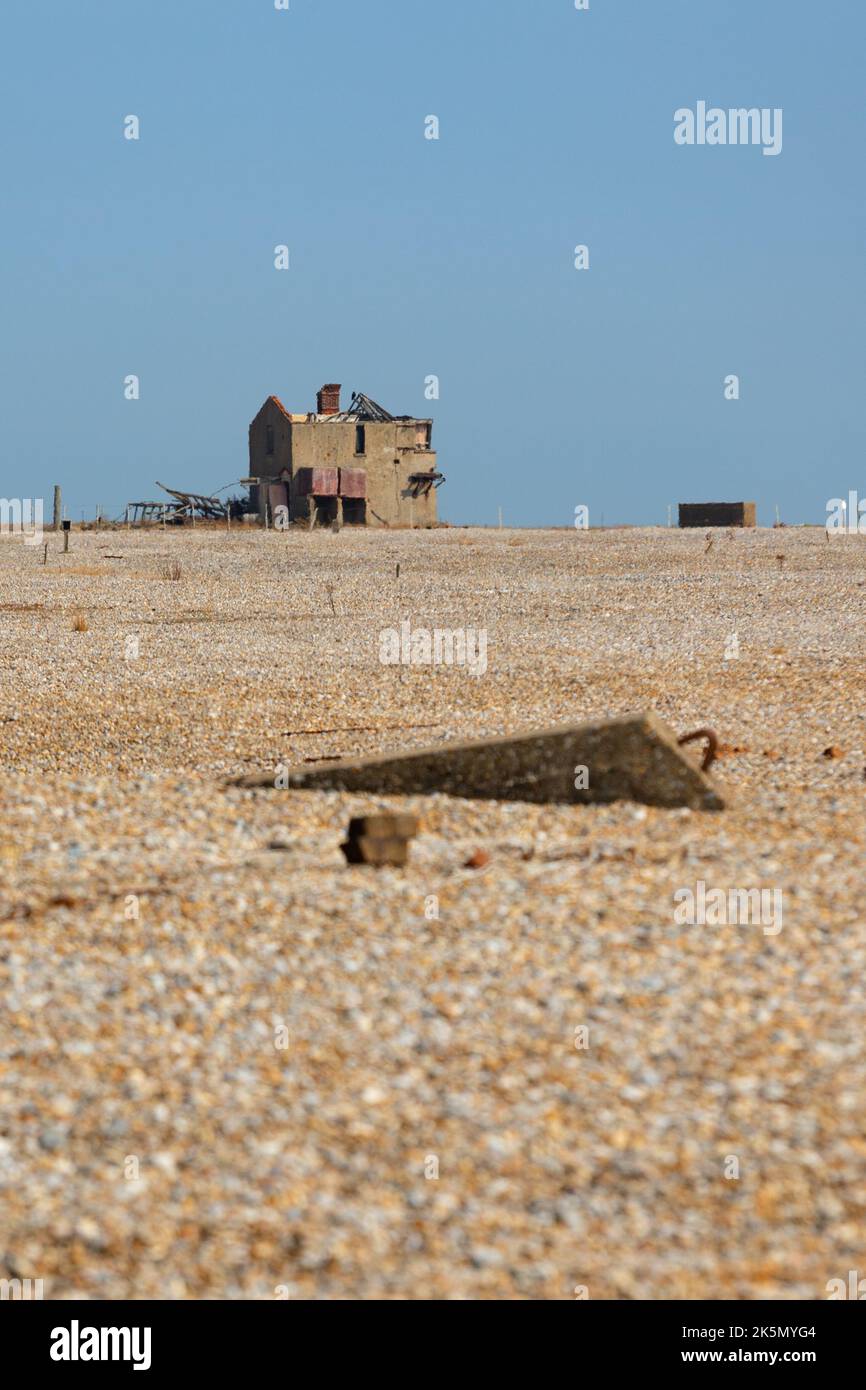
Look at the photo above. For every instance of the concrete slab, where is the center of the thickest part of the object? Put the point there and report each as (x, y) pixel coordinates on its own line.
(633, 758)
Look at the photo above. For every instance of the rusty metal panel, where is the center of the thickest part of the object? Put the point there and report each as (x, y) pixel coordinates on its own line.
(353, 482)
(316, 482)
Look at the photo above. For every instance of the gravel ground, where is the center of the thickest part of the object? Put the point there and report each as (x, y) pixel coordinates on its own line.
(233, 1067)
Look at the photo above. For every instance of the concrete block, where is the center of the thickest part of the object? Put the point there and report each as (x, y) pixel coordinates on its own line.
(717, 514)
(380, 839)
(631, 758)
(368, 849)
(385, 825)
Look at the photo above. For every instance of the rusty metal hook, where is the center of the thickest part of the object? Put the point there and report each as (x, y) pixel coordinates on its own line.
(712, 748)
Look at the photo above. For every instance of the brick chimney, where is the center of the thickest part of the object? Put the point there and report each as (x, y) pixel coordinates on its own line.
(328, 401)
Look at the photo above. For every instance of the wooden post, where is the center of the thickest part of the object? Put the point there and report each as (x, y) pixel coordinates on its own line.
(58, 507)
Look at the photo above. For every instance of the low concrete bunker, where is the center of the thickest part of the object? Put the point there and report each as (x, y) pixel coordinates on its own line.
(717, 514)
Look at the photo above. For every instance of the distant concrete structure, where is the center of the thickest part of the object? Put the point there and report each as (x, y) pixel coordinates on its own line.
(361, 466)
(717, 514)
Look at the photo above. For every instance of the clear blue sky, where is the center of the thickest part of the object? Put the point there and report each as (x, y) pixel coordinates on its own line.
(412, 257)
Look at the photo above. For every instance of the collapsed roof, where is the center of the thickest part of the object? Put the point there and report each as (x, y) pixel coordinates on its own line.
(362, 408)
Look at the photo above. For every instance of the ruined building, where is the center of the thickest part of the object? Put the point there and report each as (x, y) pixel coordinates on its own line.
(359, 466)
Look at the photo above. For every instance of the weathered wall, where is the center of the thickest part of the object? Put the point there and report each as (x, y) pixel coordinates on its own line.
(271, 427)
(389, 457)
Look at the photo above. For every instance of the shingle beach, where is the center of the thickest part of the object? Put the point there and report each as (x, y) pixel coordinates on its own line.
(234, 1066)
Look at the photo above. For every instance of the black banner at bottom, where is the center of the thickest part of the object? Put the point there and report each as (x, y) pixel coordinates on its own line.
(156, 1339)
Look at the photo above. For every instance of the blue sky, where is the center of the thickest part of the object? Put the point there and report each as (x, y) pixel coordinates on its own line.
(412, 257)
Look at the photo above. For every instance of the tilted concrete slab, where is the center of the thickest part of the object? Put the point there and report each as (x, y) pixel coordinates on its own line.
(631, 758)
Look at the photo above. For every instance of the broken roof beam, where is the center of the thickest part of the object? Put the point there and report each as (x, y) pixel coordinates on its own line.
(632, 758)
(364, 408)
(210, 507)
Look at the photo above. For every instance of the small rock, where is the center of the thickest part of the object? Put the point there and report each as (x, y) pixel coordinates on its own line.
(479, 860)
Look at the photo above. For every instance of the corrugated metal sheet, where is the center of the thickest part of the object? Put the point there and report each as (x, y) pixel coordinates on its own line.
(317, 482)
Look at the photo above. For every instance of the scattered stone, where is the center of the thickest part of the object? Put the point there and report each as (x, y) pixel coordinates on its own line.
(384, 826)
(380, 839)
(367, 850)
(833, 752)
(479, 860)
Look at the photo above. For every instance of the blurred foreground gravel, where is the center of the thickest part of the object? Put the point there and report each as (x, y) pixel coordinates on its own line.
(232, 1067)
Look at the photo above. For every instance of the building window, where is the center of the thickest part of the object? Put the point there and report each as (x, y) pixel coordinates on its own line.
(360, 439)
(269, 433)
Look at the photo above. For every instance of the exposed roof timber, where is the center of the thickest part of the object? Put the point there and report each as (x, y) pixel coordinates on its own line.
(362, 405)
(361, 408)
